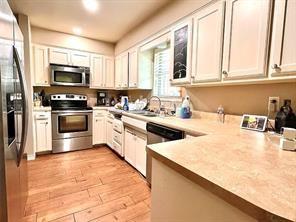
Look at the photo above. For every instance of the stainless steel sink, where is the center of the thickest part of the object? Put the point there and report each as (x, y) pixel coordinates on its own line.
(144, 113)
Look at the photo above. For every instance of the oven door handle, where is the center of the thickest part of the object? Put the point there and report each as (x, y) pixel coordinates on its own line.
(74, 112)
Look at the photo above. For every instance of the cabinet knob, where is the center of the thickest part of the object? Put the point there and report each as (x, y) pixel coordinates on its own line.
(45, 81)
(46, 123)
(275, 66)
(225, 73)
(171, 80)
(135, 84)
(192, 77)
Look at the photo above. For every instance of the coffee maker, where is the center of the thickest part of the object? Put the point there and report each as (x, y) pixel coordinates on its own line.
(102, 99)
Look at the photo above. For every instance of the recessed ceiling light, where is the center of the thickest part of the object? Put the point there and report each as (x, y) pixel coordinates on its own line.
(90, 5)
(77, 30)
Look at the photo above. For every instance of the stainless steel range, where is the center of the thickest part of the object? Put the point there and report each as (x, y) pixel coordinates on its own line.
(71, 123)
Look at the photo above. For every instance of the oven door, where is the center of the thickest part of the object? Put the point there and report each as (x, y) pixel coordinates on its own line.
(68, 76)
(71, 124)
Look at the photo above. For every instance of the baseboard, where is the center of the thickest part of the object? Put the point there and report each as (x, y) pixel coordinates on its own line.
(31, 157)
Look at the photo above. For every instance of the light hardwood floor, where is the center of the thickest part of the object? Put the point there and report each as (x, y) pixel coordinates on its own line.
(89, 185)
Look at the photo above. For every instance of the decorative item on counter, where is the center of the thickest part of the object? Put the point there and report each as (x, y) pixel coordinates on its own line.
(125, 106)
(162, 111)
(112, 101)
(288, 139)
(36, 99)
(221, 114)
(285, 117)
(185, 109)
(253, 122)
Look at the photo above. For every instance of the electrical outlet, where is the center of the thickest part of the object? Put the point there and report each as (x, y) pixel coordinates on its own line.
(273, 104)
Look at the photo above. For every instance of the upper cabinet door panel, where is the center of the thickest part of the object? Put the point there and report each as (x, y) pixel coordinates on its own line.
(208, 43)
(283, 48)
(118, 72)
(97, 71)
(124, 70)
(41, 65)
(59, 56)
(181, 43)
(246, 38)
(133, 68)
(80, 59)
(109, 72)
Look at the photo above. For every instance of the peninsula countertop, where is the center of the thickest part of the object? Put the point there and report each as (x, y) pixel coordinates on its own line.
(245, 168)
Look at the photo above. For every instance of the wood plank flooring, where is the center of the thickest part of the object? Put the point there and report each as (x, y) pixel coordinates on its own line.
(88, 185)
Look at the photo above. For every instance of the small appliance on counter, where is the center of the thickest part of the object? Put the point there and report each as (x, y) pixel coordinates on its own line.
(102, 99)
(288, 139)
(285, 117)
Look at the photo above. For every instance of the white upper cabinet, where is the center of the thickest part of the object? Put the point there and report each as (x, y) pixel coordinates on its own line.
(246, 38)
(69, 57)
(80, 59)
(208, 43)
(121, 70)
(108, 72)
(180, 59)
(60, 56)
(41, 75)
(283, 46)
(96, 71)
(133, 68)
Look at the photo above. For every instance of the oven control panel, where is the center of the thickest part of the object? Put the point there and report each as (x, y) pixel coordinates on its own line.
(68, 97)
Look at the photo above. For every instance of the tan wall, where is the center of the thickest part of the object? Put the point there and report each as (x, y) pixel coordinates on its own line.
(91, 93)
(251, 99)
(53, 38)
(162, 19)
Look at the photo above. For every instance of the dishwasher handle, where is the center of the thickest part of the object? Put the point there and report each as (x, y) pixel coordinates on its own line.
(165, 132)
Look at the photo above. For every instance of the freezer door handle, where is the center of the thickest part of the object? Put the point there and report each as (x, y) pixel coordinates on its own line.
(24, 105)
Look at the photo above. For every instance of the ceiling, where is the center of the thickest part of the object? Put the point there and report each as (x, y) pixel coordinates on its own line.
(112, 20)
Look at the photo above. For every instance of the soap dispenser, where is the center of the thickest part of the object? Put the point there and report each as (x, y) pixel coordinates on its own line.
(185, 109)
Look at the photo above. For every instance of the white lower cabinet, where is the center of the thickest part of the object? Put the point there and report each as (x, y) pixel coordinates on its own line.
(99, 127)
(42, 131)
(135, 149)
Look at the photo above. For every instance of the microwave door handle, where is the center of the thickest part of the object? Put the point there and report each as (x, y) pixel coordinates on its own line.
(24, 105)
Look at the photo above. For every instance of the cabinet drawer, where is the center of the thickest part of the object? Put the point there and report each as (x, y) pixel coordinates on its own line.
(42, 116)
(99, 113)
(117, 147)
(117, 126)
(117, 137)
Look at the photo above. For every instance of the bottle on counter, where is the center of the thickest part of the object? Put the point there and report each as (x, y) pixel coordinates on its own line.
(125, 105)
(185, 109)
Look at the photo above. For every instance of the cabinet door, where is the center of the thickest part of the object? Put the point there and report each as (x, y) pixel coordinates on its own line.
(129, 147)
(118, 72)
(181, 43)
(109, 130)
(141, 143)
(99, 130)
(97, 79)
(124, 70)
(43, 134)
(246, 38)
(59, 56)
(109, 72)
(207, 43)
(80, 59)
(283, 48)
(41, 66)
(133, 68)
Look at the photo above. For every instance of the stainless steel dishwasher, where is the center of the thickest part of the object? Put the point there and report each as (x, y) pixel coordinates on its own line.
(158, 134)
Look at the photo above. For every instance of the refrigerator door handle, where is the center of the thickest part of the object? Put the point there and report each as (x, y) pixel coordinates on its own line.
(24, 105)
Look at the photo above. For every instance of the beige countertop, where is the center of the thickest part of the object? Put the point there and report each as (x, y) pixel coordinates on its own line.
(245, 168)
(41, 108)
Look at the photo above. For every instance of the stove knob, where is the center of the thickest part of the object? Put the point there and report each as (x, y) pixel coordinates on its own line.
(83, 97)
(54, 97)
(80, 97)
(59, 97)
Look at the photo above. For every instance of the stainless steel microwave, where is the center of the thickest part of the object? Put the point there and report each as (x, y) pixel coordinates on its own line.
(62, 75)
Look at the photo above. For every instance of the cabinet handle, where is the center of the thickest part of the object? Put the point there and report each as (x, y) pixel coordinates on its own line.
(225, 73)
(275, 66)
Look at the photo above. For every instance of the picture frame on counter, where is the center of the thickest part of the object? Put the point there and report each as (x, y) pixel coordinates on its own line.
(254, 122)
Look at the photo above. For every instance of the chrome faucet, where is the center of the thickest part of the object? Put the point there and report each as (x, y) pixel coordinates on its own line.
(158, 110)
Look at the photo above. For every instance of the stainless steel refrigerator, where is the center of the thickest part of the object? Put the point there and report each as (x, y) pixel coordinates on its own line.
(13, 118)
